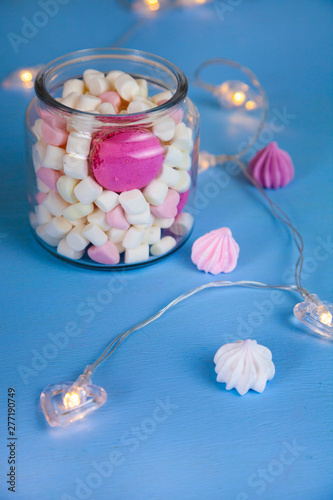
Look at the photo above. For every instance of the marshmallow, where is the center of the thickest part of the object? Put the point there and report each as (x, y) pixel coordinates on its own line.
(116, 235)
(40, 197)
(139, 254)
(88, 102)
(107, 200)
(168, 209)
(133, 202)
(155, 192)
(143, 87)
(43, 214)
(53, 157)
(111, 77)
(163, 246)
(105, 254)
(111, 97)
(98, 217)
(42, 187)
(138, 219)
(49, 177)
(126, 86)
(37, 128)
(98, 84)
(71, 100)
(106, 109)
(66, 251)
(73, 85)
(38, 153)
(40, 231)
(133, 238)
(78, 210)
(33, 220)
(75, 239)
(152, 235)
(184, 182)
(165, 129)
(78, 144)
(146, 224)
(183, 224)
(168, 175)
(183, 138)
(55, 203)
(186, 163)
(95, 234)
(162, 96)
(173, 156)
(79, 222)
(58, 227)
(116, 218)
(120, 247)
(89, 74)
(53, 135)
(75, 167)
(65, 186)
(139, 105)
(164, 223)
(87, 190)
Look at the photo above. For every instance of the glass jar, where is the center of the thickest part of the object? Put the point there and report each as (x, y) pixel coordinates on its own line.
(112, 164)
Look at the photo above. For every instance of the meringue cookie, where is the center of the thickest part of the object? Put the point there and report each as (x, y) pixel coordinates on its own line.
(272, 167)
(215, 252)
(244, 365)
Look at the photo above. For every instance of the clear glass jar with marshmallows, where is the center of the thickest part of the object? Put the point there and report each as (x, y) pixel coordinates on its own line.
(112, 145)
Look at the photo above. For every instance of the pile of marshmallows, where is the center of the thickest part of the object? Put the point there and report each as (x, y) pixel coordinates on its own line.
(114, 190)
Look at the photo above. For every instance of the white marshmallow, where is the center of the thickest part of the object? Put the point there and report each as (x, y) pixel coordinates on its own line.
(116, 235)
(98, 84)
(133, 238)
(71, 100)
(89, 74)
(77, 211)
(164, 223)
(111, 76)
(120, 247)
(183, 138)
(65, 250)
(78, 144)
(98, 217)
(186, 164)
(138, 219)
(33, 220)
(43, 214)
(139, 105)
(168, 175)
(42, 187)
(173, 156)
(126, 86)
(38, 153)
(162, 96)
(139, 254)
(155, 192)
(55, 203)
(133, 202)
(147, 224)
(143, 87)
(73, 85)
(106, 108)
(183, 224)
(152, 235)
(75, 239)
(184, 182)
(40, 230)
(163, 246)
(165, 129)
(65, 187)
(79, 222)
(107, 201)
(95, 235)
(53, 157)
(58, 227)
(88, 102)
(37, 128)
(75, 167)
(87, 190)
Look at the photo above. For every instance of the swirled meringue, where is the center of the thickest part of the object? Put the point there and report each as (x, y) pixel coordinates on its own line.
(244, 365)
(272, 167)
(215, 252)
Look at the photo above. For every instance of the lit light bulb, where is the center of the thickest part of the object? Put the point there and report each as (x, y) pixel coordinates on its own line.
(249, 105)
(26, 76)
(21, 78)
(238, 98)
(316, 314)
(153, 4)
(72, 399)
(324, 315)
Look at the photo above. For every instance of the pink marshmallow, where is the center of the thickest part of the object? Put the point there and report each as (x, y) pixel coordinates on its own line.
(182, 201)
(53, 135)
(40, 197)
(111, 97)
(177, 115)
(116, 218)
(105, 254)
(53, 119)
(49, 177)
(168, 209)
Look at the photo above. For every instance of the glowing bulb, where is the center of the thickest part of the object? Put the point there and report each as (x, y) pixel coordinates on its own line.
(249, 105)
(26, 76)
(325, 316)
(200, 1)
(153, 4)
(238, 98)
(316, 314)
(71, 399)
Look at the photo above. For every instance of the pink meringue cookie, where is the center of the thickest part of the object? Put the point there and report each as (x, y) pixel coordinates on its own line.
(215, 252)
(272, 167)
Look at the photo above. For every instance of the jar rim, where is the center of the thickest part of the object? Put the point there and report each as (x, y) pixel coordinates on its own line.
(47, 72)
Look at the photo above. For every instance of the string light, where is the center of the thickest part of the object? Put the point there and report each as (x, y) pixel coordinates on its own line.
(152, 4)
(21, 79)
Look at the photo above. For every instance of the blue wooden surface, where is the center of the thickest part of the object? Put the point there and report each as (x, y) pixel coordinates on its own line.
(170, 431)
